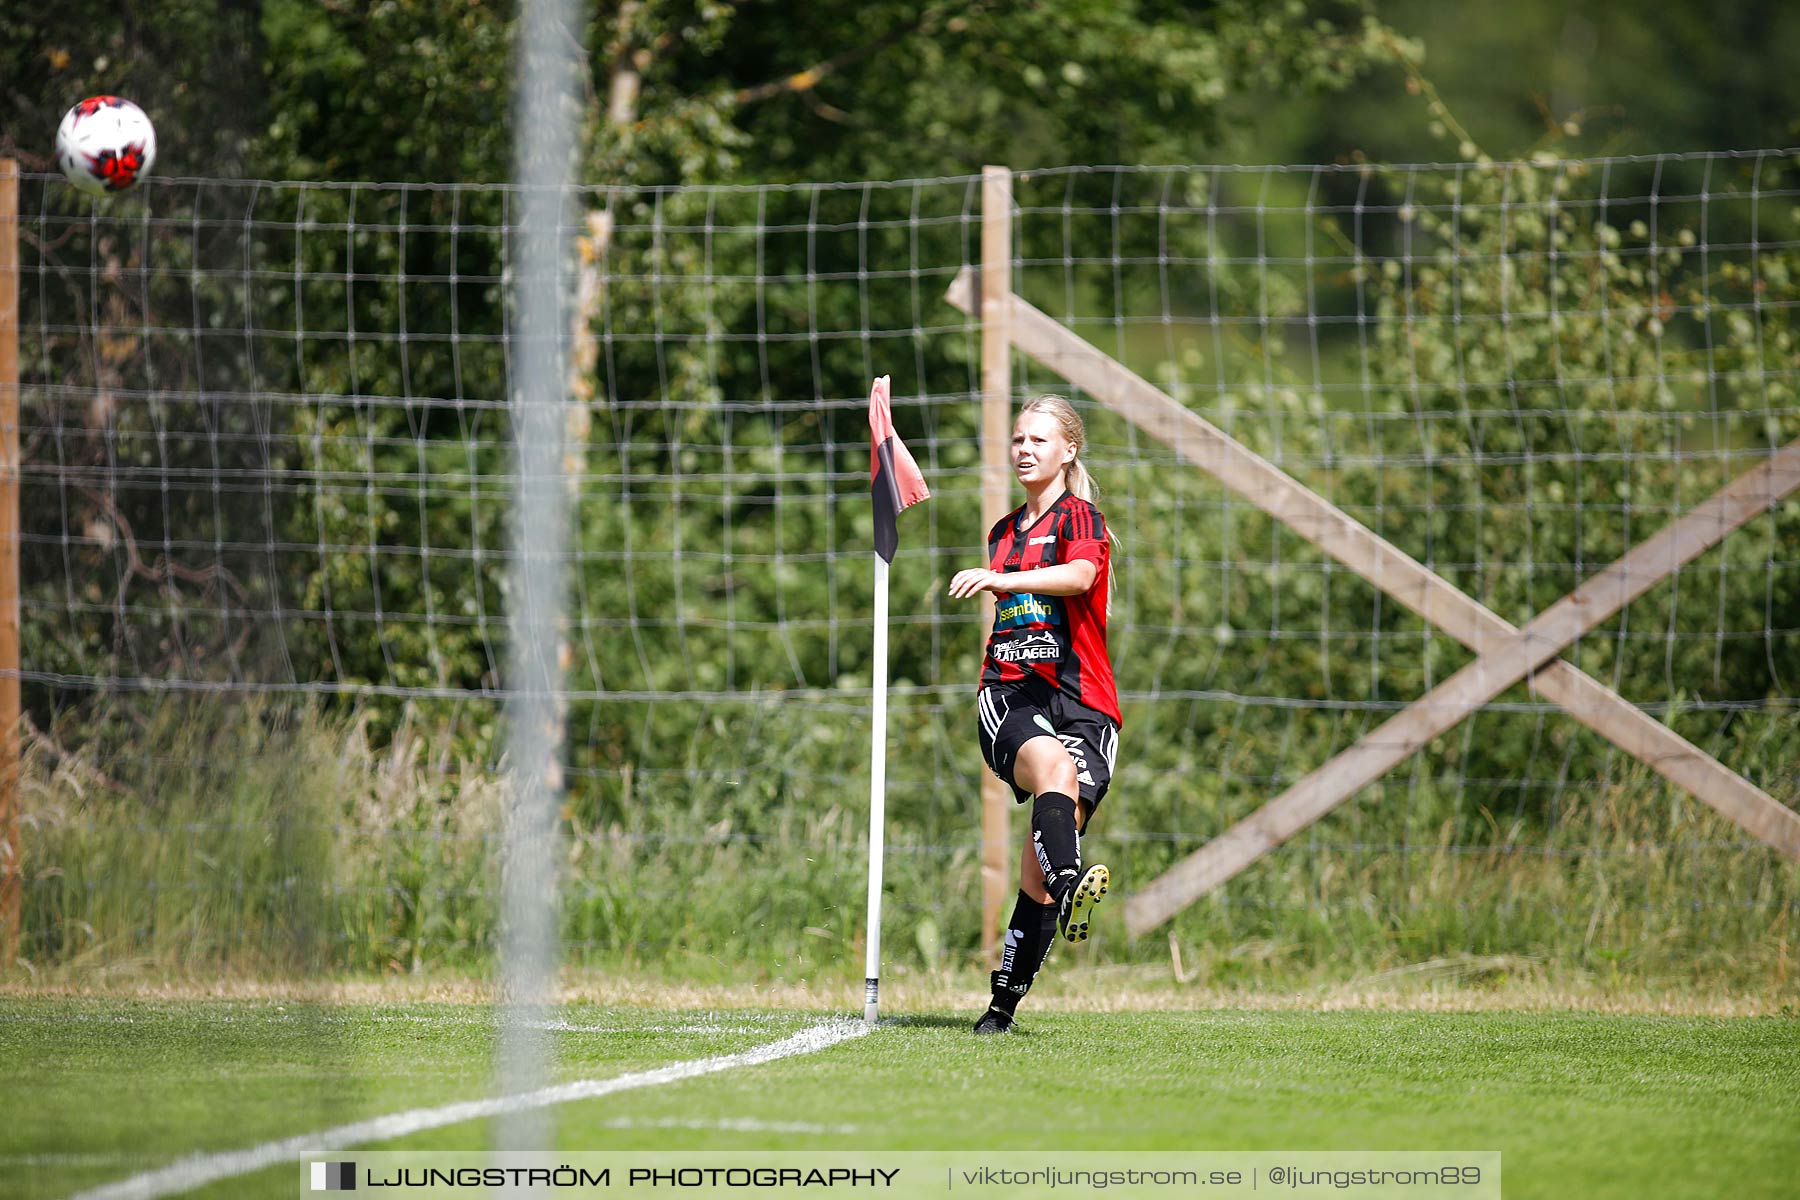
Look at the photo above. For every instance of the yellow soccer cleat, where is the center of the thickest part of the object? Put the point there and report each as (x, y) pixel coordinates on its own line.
(1077, 907)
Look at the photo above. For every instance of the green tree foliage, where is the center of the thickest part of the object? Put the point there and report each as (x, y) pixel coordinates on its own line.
(724, 92)
(1554, 376)
(1627, 78)
(402, 90)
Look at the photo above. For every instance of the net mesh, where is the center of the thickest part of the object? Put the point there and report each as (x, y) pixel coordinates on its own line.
(266, 478)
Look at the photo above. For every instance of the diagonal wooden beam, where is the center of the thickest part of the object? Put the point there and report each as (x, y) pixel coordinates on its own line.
(1501, 663)
(1386, 566)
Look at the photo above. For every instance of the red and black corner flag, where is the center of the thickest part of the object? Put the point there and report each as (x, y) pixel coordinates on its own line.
(894, 479)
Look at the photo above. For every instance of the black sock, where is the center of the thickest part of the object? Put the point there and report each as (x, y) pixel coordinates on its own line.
(1029, 935)
(1057, 844)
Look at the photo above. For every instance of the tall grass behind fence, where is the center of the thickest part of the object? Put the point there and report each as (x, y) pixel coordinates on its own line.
(299, 847)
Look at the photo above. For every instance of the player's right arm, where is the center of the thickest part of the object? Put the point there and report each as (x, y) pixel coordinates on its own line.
(1063, 579)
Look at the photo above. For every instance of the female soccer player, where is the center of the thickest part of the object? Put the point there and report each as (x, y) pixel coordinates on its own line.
(1049, 711)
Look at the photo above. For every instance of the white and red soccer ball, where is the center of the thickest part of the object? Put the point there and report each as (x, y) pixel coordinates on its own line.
(105, 144)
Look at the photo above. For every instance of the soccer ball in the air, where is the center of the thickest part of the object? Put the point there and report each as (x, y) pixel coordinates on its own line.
(105, 144)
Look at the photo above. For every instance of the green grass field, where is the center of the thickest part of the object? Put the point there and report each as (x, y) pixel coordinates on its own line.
(1580, 1104)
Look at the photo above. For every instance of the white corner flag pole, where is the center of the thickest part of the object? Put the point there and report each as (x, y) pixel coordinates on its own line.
(877, 794)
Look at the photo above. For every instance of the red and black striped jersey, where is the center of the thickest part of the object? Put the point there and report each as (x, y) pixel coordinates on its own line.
(1061, 639)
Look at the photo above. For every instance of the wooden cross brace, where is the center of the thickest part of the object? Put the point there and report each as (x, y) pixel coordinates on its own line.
(1504, 653)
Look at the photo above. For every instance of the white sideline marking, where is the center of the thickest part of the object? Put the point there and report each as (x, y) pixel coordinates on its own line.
(199, 1169)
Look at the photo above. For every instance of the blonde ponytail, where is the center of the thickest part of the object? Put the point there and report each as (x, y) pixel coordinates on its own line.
(1076, 478)
(1079, 482)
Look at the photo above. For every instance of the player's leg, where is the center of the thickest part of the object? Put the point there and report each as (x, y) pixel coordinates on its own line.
(1026, 750)
(1010, 722)
(1092, 742)
(1089, 739)
(1043, 765)
(1047, 767)
(1044, 769)
(1024, 945)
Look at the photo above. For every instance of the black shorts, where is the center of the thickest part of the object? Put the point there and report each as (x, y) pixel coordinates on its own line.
(1011, 714)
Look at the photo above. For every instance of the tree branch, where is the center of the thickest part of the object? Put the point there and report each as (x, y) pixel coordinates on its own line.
(627, 71)
(805, 81)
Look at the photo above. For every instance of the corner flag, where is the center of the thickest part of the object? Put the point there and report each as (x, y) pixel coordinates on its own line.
(894, 479)
(894, 484)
